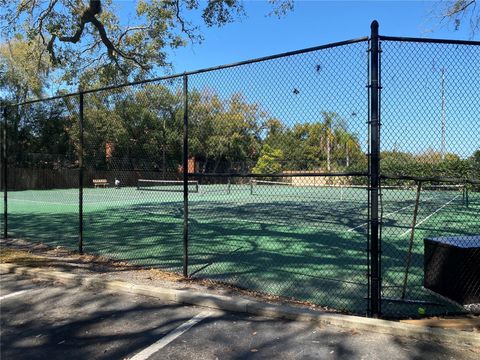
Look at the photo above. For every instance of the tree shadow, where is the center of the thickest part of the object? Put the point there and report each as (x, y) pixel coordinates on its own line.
(80, 324)
(308, 250)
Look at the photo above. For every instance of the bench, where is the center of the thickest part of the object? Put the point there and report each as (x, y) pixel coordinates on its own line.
(100, 182)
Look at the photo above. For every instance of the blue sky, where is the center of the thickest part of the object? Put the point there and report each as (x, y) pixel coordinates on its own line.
(411, 116)
(311, 23)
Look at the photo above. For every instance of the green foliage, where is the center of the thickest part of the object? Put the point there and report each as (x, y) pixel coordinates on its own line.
(225, 131)
(87, 41)
(269, 162)
(39, 135)
(475, 159)
(318, 145)
(429, 164)
(23, 69)
(142, 129)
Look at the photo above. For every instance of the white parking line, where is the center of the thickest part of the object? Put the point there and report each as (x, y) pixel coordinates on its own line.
(152, 349)
(13, 294)
(429, 216)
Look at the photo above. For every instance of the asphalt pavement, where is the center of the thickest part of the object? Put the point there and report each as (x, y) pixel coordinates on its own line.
(45, 320)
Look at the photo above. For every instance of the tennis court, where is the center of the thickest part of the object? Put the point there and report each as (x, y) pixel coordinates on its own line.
(302, 242)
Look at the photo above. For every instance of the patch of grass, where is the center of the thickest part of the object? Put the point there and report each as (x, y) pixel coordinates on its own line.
(20, 257)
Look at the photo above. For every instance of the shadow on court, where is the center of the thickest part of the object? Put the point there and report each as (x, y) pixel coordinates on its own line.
(300, 250)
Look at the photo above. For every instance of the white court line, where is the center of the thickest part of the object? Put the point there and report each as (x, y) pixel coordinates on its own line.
(86, 202)
(394, 212)
(384, 216)
(43, 202)
(13, 294)
(175, 333)
(429, 216)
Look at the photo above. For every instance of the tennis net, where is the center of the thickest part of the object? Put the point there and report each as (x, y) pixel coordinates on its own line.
(348, 192)
(166, 185)
(216, 188)
(306, 191)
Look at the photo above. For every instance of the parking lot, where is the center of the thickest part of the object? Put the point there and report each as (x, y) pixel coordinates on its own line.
(43, 320)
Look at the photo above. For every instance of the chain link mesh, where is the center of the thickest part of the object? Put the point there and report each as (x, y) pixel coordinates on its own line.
(277, 178)
(133, 199)
(430, 149)
(43, 173)
(268, 129)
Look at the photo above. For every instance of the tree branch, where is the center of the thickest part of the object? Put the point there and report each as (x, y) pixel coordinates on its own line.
(458, 7)
(45, 13)
(89, 16)
(182, 22)
(78, 34)
(134, 28)
(51, 51)
(95, 44)
(112, 50)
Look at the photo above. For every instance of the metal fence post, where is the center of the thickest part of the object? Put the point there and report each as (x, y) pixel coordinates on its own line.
(185, 175)
(5, 174)
(374, 173)
(80, 177)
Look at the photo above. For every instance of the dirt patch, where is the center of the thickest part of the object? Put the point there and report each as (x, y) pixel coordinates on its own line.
(40, 255)
(20, 257)
(468, 322)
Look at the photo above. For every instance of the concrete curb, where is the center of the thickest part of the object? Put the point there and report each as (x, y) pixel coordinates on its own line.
(244, 305)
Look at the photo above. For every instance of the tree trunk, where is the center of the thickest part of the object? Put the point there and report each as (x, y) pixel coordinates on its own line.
(348, 157)
(163, 150)
(217, 162)
(163, 162)
(328, 152)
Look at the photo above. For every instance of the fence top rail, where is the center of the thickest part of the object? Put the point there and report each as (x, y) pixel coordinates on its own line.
(428, 40)
(431, 179)
(281, 175)
(247, 62)
(194, 72)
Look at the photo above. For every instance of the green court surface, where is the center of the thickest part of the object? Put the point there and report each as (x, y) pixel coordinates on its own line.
(307, 243)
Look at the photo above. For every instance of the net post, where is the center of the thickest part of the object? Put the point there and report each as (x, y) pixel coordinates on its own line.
(5, 172)
(185, 175)
(80, 175)
(412, 236)
(467, 192)
(374, 172)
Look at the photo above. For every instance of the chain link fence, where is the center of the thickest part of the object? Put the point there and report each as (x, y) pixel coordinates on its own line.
(132, 152)
(43, 170)
(430, 167)
(271, 175)
(263, 218)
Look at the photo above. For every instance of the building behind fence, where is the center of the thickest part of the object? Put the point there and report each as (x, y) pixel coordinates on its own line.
(313, 175)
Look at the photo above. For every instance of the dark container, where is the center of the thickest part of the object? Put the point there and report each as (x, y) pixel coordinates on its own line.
(452, 268)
